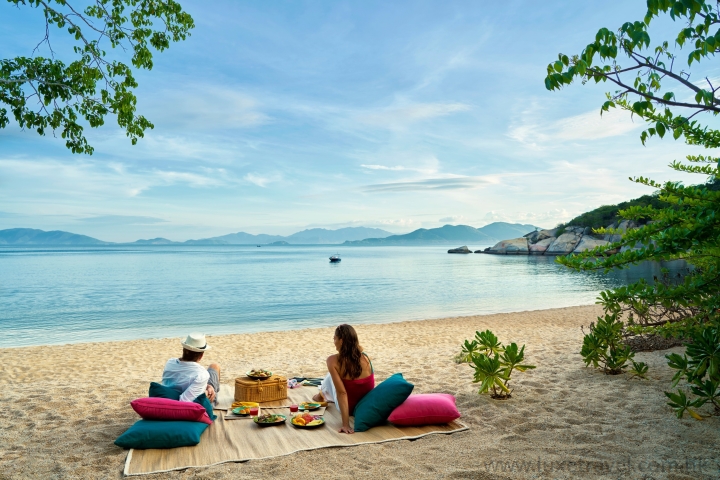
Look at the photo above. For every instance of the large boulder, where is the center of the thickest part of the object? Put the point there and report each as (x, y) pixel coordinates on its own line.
(516, 246)
(540, 247)
(622, 227)
(537, 235)
(588, 243)
(463, 249)
(563, 244)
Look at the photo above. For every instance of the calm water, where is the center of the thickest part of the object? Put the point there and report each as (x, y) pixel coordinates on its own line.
(67, 295)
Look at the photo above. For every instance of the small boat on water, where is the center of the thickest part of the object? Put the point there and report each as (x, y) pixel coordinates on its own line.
(335, 258)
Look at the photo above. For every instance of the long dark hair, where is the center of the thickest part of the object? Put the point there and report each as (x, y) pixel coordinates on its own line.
(350, 352)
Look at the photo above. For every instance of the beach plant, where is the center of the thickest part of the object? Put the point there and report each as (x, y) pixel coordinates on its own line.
(700, 368)
(653, 82)
(638, 370)
(69, 90)
(488, 343)
(484, 342)
(494, 363)
(603, 346)
(467, 351)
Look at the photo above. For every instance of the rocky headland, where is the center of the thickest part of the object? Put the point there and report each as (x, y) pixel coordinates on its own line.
(558, 241)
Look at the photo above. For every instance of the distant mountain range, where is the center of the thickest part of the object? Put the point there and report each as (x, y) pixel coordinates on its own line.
(312, 236)
(453, 234)
(29, 236)
(448, 234)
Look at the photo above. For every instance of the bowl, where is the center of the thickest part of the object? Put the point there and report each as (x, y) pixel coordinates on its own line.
(256, 377)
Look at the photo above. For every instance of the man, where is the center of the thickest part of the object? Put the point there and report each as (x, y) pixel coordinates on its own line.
(187, 376)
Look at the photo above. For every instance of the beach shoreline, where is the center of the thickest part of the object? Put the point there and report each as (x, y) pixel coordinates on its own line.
(66, 404)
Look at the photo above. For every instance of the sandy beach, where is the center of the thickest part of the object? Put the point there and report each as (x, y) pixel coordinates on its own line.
(63, 406)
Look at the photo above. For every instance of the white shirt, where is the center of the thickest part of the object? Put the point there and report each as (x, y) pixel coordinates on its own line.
(189, 378)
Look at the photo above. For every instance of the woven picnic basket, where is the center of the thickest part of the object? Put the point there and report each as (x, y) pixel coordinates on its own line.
(249, 390)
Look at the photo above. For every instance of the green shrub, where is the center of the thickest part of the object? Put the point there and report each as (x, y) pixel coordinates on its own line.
(639, 369)
(603, 346)
(701, 371)
(493, 363)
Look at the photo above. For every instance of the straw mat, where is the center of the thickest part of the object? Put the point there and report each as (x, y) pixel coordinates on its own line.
(242, 440)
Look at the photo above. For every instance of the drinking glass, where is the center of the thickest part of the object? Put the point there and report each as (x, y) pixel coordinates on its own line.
(293, 408)
(254, 411)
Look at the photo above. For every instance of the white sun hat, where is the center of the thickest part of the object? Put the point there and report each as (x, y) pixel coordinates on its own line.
(195, 342)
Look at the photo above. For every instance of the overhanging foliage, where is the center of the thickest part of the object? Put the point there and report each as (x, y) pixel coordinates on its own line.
(51, 94)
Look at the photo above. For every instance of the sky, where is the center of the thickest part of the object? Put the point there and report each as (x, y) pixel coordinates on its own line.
(278, 116)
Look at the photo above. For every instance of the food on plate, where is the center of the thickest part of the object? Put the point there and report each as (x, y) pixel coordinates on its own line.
(270, 418)
(309, 406)
(307, 420)
(243, 408)
(259, 373)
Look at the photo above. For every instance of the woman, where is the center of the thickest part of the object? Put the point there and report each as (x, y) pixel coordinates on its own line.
(350, 375)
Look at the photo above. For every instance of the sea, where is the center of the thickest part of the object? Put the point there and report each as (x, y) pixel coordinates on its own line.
(60, 295)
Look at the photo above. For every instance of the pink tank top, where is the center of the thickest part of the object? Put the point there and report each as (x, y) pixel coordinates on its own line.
(358, 388)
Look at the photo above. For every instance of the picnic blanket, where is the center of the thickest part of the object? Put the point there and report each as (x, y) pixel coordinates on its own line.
(240, 441)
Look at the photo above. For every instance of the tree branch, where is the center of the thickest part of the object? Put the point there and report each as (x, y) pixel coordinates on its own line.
(630, 89)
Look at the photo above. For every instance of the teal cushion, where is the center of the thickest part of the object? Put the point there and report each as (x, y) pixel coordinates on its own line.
(161, 434)
(163, 391)
(375, 407)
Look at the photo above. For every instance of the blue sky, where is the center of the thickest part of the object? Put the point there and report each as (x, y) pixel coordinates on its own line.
(278, 116)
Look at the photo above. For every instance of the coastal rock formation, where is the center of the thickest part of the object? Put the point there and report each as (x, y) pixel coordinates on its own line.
(541, 246)
(539, 235)
(572, 239)
(564, 244)
(588, 243)
(463, 249)
(516, 246)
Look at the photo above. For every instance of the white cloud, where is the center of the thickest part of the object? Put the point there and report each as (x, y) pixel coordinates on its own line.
(400, 116)
(455, 182)
(117, 220)
(587, 126)
(453, 219)
(205, 107)
(260, 180)
(402, 168)
(383, 167)
(98, 179)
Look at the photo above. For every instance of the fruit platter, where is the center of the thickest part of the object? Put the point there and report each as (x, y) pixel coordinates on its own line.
(259, 374)
(269, 419)
(305, 420)
(308, 406)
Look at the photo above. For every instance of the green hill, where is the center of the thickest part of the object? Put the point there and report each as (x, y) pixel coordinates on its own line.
(608, 214)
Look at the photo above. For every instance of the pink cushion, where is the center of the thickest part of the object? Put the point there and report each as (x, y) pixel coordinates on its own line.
(156, 408)
(425, 409)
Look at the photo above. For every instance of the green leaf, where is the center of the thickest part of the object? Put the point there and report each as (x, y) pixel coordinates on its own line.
(660, 127)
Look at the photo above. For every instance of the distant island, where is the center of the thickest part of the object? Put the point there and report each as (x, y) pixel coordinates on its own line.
(361, 236)
(450, 234)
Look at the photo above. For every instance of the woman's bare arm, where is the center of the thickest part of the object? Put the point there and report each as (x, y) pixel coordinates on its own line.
(341, 394)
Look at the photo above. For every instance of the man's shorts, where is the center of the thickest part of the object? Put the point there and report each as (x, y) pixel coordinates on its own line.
(214, 379)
